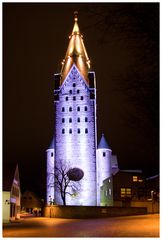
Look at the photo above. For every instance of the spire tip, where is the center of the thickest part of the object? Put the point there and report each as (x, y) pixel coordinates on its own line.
(76, 16)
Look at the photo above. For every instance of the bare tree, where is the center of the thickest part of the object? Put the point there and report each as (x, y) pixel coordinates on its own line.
(67, 181)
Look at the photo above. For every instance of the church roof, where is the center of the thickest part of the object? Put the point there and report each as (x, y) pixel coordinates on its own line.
(103, 143)
(51, 146)
(76, 53)
(9, 175)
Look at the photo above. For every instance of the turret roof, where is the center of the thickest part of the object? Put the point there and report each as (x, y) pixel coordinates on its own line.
(52, 144)
(76, 53)
(103, 143)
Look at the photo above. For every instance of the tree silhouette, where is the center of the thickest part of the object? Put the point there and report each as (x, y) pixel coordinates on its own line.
(67, 181)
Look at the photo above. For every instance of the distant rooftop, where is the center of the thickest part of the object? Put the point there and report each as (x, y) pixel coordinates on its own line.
(132, 171)
(152, 177)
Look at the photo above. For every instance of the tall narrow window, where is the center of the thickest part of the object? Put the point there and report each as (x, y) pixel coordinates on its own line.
(78, 109)
(74, 85)
(66, 98)
(78, 119)
(70, 120)
(85, 108)
(81, 97)
(70, 91)
(70, 109)
(74, 98)
(86, 119)
(63, 109)
(78, 130)
(63, 131)
(104, 154)
(51, 154)
(63, 120)
(86, 130)
(70, 130)
(78, 91)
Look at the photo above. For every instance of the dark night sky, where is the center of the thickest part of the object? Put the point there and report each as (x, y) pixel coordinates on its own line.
(123, 44)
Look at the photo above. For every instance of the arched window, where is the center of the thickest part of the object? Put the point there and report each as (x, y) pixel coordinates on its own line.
(70, 130)
(78, 119)
(70, 109)
(74, 98)
(63, 131)
(81, 97)
(63, 109)
(70, 91)
(86, 119)
(104, 154)
(78, 130)
(66, 98)
(86, 130)
(85, 108)
(78, 91)
(78, 109)
(74, 84)
(63, 120)
(70, 120)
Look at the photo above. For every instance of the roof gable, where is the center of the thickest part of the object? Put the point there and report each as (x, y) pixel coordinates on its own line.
(74, 76)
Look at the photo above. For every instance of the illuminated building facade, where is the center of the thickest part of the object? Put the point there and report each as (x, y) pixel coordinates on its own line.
(75, 143)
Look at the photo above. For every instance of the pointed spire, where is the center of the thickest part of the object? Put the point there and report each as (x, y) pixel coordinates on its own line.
(76, 53)
(103, 143)
(76, 27)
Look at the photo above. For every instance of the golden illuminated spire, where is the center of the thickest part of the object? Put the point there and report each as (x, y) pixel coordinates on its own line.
(76, 27)
(76, 53)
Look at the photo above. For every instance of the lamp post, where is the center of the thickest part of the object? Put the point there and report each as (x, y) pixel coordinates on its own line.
(152, 198)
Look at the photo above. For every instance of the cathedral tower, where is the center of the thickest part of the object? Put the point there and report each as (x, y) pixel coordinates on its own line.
(75, 119)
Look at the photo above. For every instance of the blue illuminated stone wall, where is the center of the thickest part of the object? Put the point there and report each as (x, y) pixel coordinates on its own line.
(75, 133)
(104, 168)
(50, 176)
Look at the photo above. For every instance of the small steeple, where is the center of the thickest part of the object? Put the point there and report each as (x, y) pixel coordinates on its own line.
(103, 143)
(52, 144)
(76, 27)
(76, 53)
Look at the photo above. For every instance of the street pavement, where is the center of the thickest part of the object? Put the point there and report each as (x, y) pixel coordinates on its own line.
(127, 226)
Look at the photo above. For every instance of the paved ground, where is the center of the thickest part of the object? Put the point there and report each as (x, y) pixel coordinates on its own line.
(131, 226)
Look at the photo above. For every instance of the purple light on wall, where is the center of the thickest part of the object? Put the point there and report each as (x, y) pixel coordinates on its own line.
(76, 147)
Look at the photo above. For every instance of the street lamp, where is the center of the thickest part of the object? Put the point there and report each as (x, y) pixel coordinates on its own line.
(152, 198)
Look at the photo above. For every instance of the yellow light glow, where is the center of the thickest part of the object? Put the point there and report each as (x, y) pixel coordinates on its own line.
(76, 53)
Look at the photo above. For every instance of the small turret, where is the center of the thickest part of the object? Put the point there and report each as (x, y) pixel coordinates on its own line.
(104, 168)
(103, 144)
(50, 172)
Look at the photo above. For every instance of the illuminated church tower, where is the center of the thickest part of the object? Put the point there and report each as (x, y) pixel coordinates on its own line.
(75, 119)
(75, 144)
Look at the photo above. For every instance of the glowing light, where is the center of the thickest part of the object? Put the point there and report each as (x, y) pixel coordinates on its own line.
(75, 16)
